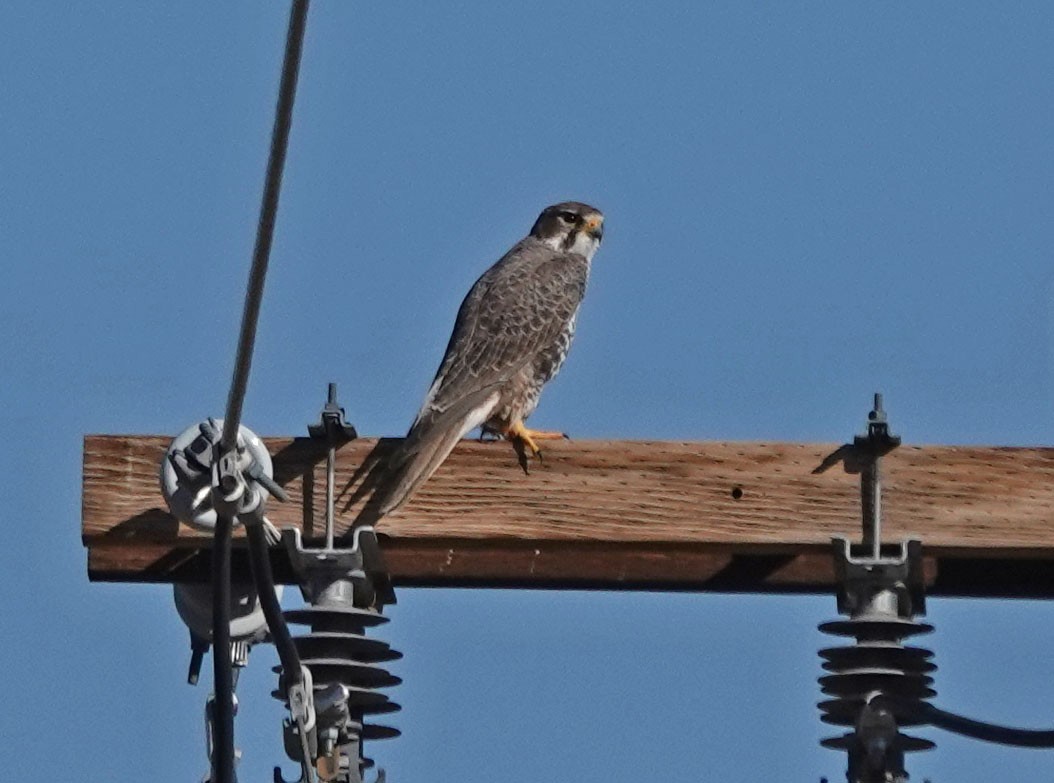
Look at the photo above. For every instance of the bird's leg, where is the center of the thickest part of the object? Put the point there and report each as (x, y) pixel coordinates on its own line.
(485, 431)
(517, 433)
(524, 439)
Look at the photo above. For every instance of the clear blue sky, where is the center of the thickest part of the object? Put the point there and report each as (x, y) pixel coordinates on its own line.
(805, 203)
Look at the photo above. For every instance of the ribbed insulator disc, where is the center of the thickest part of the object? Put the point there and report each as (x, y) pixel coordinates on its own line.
(374, 732)
(335, 618)
(844, 712)
(370, 731)
(366, 763)
(382, 709)
(878, 627)
(331, 644)
(859, 683)
(913, 660)
(326, 671)
(338, 652)
(848, 741)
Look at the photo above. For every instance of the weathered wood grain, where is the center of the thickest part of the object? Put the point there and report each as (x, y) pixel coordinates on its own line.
(649, 514)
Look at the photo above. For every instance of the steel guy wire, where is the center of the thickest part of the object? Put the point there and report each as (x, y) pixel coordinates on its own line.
(224, 705)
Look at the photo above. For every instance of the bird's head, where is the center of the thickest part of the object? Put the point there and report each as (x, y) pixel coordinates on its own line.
(570, 227)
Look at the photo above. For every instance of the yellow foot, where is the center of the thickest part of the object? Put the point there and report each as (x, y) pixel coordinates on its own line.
(524, 439)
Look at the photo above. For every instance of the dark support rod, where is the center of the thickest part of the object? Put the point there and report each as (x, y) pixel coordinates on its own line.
(331, 469)
(223, 675)
(871, 502)
(872, 447)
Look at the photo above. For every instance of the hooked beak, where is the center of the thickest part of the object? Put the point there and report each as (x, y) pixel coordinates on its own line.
(595, 227)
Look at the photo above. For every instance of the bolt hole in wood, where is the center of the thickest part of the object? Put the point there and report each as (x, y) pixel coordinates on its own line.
(737, 493)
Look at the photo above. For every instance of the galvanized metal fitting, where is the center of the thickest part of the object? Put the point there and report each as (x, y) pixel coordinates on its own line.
(192, 466)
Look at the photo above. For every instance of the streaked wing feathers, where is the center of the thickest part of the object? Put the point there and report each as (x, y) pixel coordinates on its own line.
(517, 308)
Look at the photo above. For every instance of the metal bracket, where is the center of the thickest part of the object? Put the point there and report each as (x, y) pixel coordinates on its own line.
(321, 572)
(332, 426)
(878, 441)
(862, 577)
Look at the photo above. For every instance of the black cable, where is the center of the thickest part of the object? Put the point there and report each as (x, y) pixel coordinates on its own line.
(260, 561)
(283, 120)
(988, 732)
(925, 712)
(223, 675)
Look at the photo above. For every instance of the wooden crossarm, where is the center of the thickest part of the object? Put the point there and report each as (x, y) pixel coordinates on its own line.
(618, 514)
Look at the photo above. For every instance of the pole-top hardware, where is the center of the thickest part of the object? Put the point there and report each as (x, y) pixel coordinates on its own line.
(878, 441)
(332, 427)
(870, 449)
(881, 596)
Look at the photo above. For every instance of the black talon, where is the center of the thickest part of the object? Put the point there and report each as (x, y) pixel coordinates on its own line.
(521, 455)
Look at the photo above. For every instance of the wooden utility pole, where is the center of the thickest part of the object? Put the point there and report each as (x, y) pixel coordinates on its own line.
(617, 514)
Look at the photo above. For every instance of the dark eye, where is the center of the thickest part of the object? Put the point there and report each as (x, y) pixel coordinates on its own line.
(569, 217)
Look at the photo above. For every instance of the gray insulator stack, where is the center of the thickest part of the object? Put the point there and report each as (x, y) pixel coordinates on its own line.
(346, 592)
(879, 663)
(878, 685)
(347, 666)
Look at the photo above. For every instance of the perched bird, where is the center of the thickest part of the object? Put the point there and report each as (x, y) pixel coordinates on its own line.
(511, 336)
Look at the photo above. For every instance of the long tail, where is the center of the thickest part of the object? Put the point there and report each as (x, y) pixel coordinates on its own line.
(428, 443)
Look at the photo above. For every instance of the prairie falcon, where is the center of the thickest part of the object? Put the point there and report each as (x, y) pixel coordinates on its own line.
(511, 336)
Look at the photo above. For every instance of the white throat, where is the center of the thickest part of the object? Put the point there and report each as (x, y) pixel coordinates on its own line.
(585, 244)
